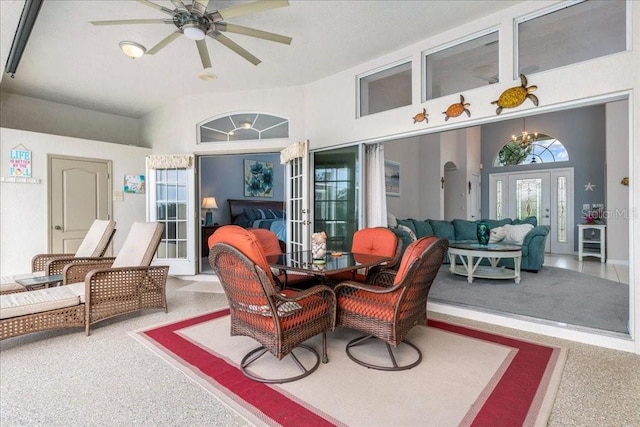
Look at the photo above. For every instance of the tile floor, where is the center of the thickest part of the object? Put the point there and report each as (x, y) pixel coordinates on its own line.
(591, 266)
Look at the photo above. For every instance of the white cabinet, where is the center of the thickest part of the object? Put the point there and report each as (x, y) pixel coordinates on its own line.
(591, 241)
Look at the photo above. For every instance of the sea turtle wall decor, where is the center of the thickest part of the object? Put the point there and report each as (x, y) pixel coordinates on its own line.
(516, 95)
(456, 109)
(421, 116)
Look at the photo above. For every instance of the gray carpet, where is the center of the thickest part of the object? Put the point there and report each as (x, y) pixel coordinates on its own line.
(553, 294)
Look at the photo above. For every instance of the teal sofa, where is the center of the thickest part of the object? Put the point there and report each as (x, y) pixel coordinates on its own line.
(464, 230)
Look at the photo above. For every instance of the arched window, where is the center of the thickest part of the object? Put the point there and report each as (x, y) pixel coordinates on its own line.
(526, 149)
(242, 127)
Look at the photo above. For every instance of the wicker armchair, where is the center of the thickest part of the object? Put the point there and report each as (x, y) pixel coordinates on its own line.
(94, 244)
(279, 321)
(375, 241)
(271, 246)
(392, 303)
(95, 289)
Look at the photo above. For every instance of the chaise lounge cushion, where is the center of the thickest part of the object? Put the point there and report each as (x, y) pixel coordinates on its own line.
(23, 303)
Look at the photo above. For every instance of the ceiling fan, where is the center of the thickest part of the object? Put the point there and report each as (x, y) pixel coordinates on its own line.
(195, 22)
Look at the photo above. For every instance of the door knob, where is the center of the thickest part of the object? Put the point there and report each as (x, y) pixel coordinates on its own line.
(57, 227)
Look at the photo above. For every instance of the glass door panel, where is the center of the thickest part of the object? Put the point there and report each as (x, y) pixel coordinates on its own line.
(336, 196)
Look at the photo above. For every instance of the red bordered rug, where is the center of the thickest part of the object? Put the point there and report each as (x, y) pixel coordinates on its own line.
(467, 377)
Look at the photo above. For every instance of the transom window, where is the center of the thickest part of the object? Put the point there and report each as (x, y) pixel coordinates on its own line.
(531, 148)
(384, 89)
(243, 127)
(570, 33)
(467, 64)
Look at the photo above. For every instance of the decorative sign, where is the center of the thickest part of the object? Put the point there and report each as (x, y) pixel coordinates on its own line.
(20, 162)
(134, 184)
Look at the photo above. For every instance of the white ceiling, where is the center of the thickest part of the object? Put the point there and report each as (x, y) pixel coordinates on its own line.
(70, 61)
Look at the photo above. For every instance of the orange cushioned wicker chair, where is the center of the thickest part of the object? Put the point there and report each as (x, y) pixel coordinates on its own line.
(374, 241)
(271, 246)
(388, 309)
(279, 321)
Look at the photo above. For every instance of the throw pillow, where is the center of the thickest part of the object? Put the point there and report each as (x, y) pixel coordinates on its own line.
(392, 221)
(409, 231)
(443, 229)
(407, 223)
(423, 228)
(497, 234)
(465, 230)
(516, 233)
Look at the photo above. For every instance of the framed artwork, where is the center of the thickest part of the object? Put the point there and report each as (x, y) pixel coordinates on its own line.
(392, 178)
(134, 184)
(258, 178)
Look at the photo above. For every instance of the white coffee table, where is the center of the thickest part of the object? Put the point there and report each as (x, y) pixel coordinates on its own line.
(472, 253)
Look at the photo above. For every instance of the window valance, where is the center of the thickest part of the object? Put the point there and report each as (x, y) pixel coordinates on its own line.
(169, 161)
(299, 149)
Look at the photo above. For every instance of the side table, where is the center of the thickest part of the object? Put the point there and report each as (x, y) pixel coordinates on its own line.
(206, 231)
(38, 282)
(592, 241)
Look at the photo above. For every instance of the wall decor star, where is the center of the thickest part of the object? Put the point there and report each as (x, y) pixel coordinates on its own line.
(589, 186)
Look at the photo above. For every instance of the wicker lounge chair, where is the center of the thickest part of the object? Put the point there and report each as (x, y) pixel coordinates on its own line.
(392, 302)
(94, 289)
(279, 321)
(94, 244)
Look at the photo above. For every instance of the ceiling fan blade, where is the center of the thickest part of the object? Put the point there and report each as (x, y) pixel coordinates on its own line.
(252, 32)
(204, 53)
(157, 7)
(179, 5)
(248, 8)
(133, 21)
(234, 47)
(200, 6)
(164, 42)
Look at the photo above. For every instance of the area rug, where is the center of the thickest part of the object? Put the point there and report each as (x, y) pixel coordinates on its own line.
(467, 377)
(555, 294)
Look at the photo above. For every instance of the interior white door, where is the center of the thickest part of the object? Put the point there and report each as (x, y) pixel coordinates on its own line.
(79, 193)
(297, 193)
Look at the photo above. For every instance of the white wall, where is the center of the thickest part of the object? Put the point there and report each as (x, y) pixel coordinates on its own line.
(172, 129)
(37, 115)
(23, 212)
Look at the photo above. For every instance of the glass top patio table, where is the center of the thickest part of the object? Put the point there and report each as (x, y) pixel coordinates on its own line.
(498, 247)
(303, 262)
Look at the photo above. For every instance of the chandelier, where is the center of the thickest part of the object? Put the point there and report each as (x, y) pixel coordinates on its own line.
(524, 139)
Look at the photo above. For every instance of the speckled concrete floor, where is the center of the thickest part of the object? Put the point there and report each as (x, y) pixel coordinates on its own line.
(63, 377)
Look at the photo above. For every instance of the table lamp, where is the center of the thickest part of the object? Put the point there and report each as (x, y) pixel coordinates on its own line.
(209, 203)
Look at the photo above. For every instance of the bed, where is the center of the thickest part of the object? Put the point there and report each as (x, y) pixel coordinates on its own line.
(259, 214)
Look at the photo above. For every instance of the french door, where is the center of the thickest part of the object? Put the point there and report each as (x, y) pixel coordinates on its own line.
(297, 196)
(171, 202)
(545, 194)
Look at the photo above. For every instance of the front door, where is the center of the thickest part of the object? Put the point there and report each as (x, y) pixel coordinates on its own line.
(79, 193)
(545, 194)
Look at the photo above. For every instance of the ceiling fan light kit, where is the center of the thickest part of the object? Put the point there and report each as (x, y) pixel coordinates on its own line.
(193, 21)
(132, 49)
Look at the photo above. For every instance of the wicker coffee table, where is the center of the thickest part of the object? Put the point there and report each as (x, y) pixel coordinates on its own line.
(470, 254)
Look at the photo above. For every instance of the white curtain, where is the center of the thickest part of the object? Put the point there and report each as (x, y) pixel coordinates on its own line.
(375, 193)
